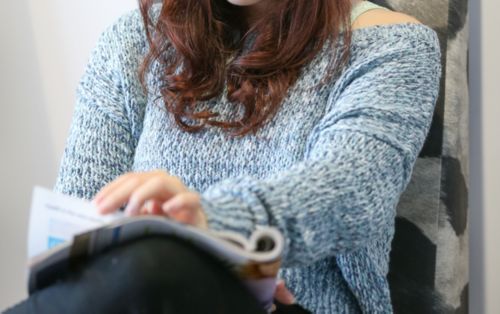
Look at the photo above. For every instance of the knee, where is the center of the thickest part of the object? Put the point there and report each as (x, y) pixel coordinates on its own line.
(161, 273)
(164, 262)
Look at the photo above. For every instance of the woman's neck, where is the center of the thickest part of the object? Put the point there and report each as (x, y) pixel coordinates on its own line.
(253, 13)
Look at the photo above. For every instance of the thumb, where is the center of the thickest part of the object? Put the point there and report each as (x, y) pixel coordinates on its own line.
(283, 295)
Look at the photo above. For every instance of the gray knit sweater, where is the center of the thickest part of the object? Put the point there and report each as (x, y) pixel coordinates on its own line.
(327, 170)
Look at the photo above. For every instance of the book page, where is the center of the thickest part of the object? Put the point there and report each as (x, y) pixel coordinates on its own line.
(56, 218)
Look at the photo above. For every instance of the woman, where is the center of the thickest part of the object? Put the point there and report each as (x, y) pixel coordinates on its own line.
(304, 115)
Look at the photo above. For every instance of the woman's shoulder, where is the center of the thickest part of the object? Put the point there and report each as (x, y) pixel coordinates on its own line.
(126, 31)
(389, 42)
(114, 61)
(382, 16)
(127, 34)
(381, 31)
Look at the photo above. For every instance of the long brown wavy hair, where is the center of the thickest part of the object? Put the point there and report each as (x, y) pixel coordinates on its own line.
(213, 46)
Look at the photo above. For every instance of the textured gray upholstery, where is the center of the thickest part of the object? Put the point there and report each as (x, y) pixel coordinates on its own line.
(429, 259)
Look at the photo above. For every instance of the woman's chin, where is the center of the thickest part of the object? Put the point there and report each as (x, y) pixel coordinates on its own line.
(244, 2)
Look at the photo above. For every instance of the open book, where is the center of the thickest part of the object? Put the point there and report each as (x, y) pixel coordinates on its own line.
(64, 229)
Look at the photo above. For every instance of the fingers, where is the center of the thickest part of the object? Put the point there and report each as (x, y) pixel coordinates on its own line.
(157, 188)
(154, 193)
(182, 201)
(283, 295)
(137, 188)
(117, 195)
(151, 207)
(186, 208)
(109, 187)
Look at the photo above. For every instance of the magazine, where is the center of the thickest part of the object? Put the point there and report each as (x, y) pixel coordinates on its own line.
(63, 229)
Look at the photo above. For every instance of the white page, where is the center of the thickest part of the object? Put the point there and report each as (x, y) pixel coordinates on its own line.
(56, 218)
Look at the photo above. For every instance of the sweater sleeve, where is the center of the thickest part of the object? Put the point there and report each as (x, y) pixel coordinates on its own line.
(101, 142)
(358, 161)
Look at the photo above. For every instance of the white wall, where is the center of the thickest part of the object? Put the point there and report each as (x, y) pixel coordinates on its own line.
(485, 157)
(44, 48)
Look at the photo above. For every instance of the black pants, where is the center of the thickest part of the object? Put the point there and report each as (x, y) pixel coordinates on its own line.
(151, 275)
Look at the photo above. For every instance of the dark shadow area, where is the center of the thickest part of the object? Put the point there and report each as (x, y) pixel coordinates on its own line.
(411, 274)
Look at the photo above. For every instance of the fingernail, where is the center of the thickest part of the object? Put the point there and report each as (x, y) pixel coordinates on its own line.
(131, 209)
(290, 296)
(102, 205)
(168, 209)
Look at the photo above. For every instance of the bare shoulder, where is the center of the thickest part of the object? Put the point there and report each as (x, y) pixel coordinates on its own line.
(381, 17)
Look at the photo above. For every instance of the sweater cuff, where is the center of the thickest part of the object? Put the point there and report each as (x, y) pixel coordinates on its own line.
(230, 207)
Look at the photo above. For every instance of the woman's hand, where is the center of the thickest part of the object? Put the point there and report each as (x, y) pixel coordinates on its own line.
(153, 193)
(282, 295)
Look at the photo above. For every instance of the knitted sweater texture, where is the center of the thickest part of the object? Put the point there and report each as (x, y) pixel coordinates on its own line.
(327, 170)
